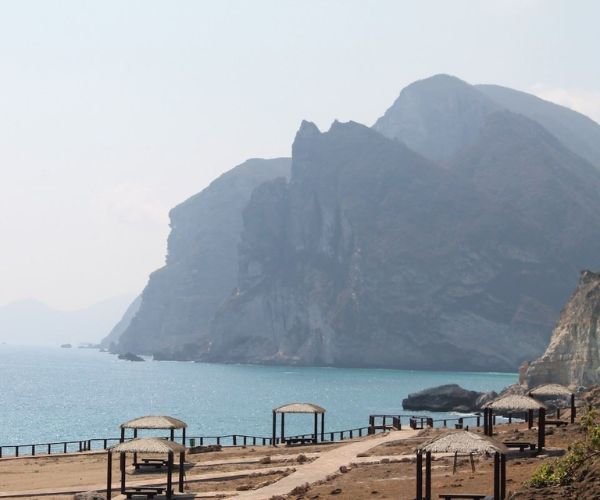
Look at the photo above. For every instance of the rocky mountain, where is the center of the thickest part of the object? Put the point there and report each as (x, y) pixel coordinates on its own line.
(437, 117)
(573, 356)
(31, 322)
(181, 298)
(447, 236)
(576, 131)
(372, 255)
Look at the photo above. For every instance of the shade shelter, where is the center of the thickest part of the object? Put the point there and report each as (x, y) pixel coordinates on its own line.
(155, 422)
(316, 410)
(555, 391)
(155, 446)
(516, 403)
(463, 443)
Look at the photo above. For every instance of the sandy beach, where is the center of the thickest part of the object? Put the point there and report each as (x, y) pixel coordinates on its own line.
(384, 469)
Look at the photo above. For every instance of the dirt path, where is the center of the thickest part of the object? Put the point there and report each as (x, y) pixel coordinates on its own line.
(328, 463)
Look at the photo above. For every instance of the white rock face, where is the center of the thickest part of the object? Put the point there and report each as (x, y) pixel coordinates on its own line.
(573, 356)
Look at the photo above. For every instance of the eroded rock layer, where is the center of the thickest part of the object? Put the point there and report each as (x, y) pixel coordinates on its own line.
(573, 356)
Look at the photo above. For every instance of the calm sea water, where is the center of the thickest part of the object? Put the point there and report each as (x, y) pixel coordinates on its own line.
(53, 394)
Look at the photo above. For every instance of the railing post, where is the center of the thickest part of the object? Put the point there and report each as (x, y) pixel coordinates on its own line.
(573, 409)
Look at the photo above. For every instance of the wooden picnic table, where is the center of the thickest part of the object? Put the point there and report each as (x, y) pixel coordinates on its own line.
(519, 444)
(556, 422)
(157, 463)
(144, 491)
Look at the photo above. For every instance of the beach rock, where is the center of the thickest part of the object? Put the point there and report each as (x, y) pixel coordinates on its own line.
(129, 356)
(573, 356)
(449, 397)
(89, 495)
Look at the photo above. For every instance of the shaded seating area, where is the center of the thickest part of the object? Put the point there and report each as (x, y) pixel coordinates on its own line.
(153, 446)
(515, 403)
(462, 443)
(308, 408)
(560, 392)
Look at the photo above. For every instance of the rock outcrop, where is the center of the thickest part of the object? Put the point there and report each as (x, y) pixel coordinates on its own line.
(449, 397)
(573, 356)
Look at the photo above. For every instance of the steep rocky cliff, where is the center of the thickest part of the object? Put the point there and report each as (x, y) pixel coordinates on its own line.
(201, 269)
(573, 356)
(448, 236)
(373, 256)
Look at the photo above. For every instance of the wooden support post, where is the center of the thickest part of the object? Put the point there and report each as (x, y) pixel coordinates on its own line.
(109, 476)
(485, 421)
(502, 476)
(316, 427)
(573, 409)
(135, 433)
(492, 422)
(170, 476)
(122, 467)
(455, 462)
(496, 476)
(530, 419)
(172, 436)
(419, 475)
(183, 436)
(371, 424)
(541, 429)
(274, 438)
(428, 475)
(322, 427)
(122, 435)
(282, 428)
(181, 470)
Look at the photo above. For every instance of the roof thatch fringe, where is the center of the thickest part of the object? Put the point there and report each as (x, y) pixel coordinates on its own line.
(154, 422)
(148, 445)
(464, 442)
(550, 390)
(299, 408)
(515, 402)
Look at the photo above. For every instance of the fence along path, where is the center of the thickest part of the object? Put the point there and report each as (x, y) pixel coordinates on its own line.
(377, 423)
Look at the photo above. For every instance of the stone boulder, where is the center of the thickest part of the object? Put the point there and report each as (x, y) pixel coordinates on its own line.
(449, 397)
(129, 356)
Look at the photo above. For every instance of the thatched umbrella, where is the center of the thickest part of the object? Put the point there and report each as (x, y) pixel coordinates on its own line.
(147, 445)
(515, 403)
(154, 422)
(556, 391)
(463, 442)
(549, 390)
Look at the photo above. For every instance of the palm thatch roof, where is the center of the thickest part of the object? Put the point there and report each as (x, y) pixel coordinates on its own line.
(154, 422)
(515, 402)
(463, 442)
(148, 445)
(299, 408)
(551, 390)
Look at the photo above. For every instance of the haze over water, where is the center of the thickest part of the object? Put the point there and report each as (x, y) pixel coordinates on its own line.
(53, 394)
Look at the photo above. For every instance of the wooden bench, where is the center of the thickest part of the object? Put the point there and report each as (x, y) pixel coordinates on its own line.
(519, 444)
(144, 491)
(472, 496)
(556, 422)
(299, 441)
(157, 463)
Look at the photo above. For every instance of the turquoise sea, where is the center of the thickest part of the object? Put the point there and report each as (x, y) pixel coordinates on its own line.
(53, 394)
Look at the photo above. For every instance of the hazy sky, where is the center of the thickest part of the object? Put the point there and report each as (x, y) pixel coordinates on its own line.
(112, 112)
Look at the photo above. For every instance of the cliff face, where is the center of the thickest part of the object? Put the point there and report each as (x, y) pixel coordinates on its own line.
(573, 356)
(446, 237)
(373, 256)
(201, 269)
